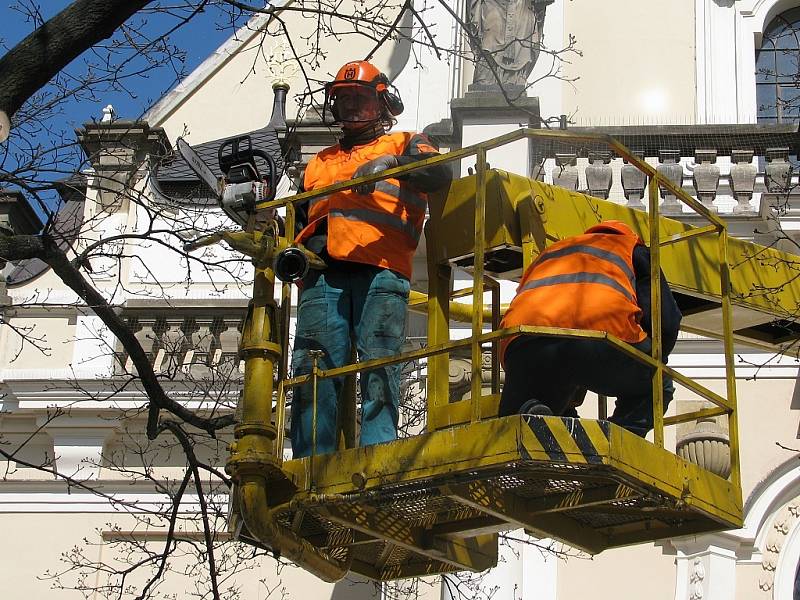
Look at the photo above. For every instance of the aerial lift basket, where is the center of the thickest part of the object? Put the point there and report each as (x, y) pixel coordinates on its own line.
(435, 502)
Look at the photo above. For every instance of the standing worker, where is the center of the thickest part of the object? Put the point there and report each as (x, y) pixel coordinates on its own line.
(367, 236)
(598, 281)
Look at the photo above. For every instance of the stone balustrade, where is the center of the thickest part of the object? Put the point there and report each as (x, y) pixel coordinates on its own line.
(729, 169)
(193, 342)
(732, 183)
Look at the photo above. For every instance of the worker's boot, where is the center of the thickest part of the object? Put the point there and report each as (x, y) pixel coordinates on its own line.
(536, 408)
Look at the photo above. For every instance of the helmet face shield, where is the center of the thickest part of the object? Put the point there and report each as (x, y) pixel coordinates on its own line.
(355, 102)
(358, 95)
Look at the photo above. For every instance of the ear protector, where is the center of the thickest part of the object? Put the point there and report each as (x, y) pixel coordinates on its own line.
(391, 98)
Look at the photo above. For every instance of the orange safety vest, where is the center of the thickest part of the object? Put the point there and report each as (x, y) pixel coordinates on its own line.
(382, 228)
(583, 282)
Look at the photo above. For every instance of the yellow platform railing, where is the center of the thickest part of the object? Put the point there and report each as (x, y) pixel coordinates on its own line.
(479, 315)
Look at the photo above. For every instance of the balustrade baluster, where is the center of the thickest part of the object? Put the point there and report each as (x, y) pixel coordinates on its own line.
(706, 177)
(599, 174)
(565, 173)
(778, 171)
(634, 183)
(743, 179)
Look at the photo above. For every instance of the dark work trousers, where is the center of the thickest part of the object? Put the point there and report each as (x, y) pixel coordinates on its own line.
(550, 369)
(343, 305)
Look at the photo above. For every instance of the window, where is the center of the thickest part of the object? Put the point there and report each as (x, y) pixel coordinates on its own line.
(778, 70)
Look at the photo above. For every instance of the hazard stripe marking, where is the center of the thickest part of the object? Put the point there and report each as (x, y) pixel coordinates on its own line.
(546, 439)
(597, 431)
(583, 441)
(564, 438)
(571, 440)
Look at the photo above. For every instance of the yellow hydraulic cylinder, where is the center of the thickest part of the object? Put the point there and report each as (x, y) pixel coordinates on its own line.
(253, 464)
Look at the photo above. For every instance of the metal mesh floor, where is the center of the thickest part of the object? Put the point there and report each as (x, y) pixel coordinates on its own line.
(426, 506)
(437, 503)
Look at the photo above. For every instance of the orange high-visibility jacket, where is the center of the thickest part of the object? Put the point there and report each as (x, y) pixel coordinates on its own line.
(583, 282)
(382, 228)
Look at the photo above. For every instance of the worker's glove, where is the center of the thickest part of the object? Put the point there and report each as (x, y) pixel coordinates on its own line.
(373, 167)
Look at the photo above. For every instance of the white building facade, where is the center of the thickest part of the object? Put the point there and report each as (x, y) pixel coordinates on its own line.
(647, 68)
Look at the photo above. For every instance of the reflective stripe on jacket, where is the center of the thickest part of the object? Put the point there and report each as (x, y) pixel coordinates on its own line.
(583, 282)
(382, 228)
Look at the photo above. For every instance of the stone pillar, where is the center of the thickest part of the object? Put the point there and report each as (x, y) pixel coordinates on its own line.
(706, 568)
(116, 151)
(481, 116)
(634, 183)
(540, 570)
(565, 173)
(93, 339)
(743, 179)
(16, 215)
(670, 167)
(503, 582)
(599, 174)
(706, 177)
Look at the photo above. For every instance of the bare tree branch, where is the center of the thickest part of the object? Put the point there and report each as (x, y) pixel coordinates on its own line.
(40, 56)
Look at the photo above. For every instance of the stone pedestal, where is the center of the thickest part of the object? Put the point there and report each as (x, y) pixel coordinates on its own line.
(481, 116)
(116, 151)
(705, 567)
(778, 171)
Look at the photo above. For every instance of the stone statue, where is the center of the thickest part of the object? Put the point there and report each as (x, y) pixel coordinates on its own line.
(510, 31)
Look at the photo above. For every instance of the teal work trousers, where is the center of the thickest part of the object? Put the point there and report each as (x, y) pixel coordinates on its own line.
(341, 306)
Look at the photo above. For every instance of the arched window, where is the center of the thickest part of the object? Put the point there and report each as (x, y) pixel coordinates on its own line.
(778, 70)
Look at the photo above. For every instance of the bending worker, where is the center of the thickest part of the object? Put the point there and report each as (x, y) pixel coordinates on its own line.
(367, 236)
(599, 281)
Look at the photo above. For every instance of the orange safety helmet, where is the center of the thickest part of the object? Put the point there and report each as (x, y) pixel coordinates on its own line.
(611, 226)
(362, 75)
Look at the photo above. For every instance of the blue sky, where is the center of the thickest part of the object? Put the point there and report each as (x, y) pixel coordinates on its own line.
(198, 39)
